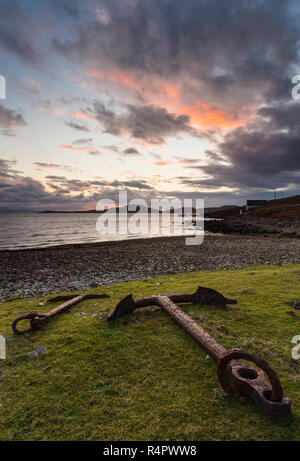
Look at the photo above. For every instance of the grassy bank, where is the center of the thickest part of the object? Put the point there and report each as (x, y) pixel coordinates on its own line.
(143, 377)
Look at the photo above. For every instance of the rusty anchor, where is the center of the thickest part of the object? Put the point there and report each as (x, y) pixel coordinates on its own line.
(38, 320)
(235, 377)
(203, 295)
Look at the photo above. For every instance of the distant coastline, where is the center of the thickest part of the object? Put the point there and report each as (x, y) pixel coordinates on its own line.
(121, 210)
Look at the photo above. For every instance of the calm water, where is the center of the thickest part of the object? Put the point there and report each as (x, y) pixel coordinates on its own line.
(32, 230)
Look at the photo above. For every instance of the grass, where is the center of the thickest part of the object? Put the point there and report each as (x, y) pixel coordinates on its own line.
(143, 377)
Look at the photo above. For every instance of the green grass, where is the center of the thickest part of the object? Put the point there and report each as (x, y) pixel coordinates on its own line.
(143, 377)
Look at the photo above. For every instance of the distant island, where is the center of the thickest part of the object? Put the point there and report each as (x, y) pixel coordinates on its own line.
(123, 210)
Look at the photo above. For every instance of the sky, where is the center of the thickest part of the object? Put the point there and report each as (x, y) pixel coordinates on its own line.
(162, 98)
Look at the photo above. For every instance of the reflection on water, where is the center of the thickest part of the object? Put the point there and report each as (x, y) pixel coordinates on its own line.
(32, 230)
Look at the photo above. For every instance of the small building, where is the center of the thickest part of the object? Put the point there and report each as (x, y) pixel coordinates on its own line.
(251, 204)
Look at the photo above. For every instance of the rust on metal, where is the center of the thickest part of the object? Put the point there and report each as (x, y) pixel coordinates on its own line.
(38, 320)
(204, 296)
(235, 377)
(68, 297)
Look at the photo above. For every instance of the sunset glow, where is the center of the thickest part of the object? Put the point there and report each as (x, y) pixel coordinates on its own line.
(94, 92)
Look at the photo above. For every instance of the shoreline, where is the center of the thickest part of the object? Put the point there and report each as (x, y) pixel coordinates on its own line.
(114, 242)
(29, 273)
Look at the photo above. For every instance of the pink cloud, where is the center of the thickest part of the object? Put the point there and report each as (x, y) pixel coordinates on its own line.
(90, 150)
(184, 161)
(59, 112)
(204, 115)
(32, 82)
(48, 165)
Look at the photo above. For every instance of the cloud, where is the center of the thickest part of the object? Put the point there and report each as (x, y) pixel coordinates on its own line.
(82, 141)
(7, 169)
(91, 150)
(59, 112)
(204, 115)
(228, 55)
(77, 126)
(82, 145)
(148, 123)
(113, 148)
(262, 156)
(109, 185)
(16, 33)
(48, 165)
(65, 7)
(216, 69)
(10, 120)
(227, 66)
(154, 124)
(21, 193)
(180, 161)
(131, 151)
(107, 118)
(32, 82)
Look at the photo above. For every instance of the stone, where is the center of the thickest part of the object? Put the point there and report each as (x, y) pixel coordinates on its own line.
(38, 351)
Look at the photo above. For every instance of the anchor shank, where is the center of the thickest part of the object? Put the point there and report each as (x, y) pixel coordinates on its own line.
(176, 298)
(213, 348)
(66, 306)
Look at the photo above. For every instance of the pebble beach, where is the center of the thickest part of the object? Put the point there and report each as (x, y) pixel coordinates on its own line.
(68, 268)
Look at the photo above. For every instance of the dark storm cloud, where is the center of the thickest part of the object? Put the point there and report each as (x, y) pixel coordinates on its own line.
(237, 56)
(107, 118)
(234, 55)
(66, 7)
(282, 117)
(268, 148)
(154, 124)
(16, 34)
(149, 123)
(20, 193)
(264, 155)
(230, 49)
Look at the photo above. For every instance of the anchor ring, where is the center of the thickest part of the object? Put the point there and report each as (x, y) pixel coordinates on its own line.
(236, 354)
(35, 322)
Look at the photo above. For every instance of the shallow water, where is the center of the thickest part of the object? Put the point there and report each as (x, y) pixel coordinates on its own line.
(34, 230)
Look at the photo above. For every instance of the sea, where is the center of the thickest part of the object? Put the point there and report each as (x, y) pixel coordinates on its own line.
(40, 230)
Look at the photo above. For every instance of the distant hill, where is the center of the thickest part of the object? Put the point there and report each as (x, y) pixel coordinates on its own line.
(122, 210)
(282, 209)
(222, 211)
